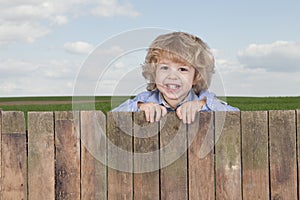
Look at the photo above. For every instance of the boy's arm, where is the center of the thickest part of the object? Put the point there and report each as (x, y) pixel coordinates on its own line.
(215, 104)
(131, 105)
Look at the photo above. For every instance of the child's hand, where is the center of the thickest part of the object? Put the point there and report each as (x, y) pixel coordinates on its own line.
(153, 111)
(187, 111)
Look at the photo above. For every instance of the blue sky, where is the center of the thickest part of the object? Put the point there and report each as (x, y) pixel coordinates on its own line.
(44, 45)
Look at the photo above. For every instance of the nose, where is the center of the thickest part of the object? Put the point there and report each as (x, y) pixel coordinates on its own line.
(173, 75)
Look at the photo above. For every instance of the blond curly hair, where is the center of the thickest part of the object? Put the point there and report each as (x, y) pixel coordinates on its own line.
(183, 48)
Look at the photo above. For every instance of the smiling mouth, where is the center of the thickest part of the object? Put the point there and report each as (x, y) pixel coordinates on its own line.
(172, 86)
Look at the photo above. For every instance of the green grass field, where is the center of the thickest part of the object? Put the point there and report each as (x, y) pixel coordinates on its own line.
(105, 103)
(264, 103)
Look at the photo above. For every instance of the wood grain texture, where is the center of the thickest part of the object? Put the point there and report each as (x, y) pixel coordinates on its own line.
(146, 166)
(0, 150)
(93, 155)
(201, 169)
(67, 166)
(255, 155)
(120, 168)
(228, 156)
(14, 170)
(41, 169)
(13, 122)
(173, 158)
(283, 168)
(298, 147)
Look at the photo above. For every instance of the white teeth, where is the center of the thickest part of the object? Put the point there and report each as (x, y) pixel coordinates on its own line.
(171, 86)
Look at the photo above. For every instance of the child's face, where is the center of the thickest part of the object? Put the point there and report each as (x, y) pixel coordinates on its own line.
(174, 81)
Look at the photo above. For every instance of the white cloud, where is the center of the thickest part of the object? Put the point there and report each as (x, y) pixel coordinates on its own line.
(56, 69)
(8, 88)
(9, 67)
(108, 51)
(78, 47)
(28, 11)
(279, 56)
(19, 31)
(22, 20)
(241, 80)
(28, 20)
(51, 77)
(119, 65)
(61, 20)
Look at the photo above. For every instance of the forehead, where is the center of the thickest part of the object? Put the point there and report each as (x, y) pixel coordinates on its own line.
(173, 63)
(171, 57)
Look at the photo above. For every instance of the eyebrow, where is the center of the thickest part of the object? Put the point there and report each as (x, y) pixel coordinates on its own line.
(168, 63)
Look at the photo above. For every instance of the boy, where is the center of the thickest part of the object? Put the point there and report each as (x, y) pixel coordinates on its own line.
(179, 68)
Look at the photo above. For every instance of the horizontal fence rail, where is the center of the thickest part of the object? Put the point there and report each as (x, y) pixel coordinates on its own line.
(88, 155)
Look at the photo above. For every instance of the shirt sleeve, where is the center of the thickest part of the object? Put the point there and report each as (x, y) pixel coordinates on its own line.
(130, 105)
(215, 104)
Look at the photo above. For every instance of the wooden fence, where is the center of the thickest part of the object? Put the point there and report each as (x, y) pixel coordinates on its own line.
(65, 155)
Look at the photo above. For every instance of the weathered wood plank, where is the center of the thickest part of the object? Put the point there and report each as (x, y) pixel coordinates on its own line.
(14, 184)
(13, 122)
(93, 155)
(201, 167)
(283, 168)
(119, 143)
(173, 158)
(0, 150)
(67, 168)
(250, 129)
(228, 155)
(298, 147)
(41, 169)
(146, 159)
(255, 154)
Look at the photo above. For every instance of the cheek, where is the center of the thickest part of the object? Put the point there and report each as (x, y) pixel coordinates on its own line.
(192, 78)
(189, 81)
(189, 78)
(159, 77)
(156, 79)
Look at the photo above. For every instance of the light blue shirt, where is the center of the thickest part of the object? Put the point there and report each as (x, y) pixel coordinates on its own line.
(212, 103)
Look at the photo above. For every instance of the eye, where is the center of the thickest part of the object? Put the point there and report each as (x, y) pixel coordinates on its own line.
(164, 67)
(183, 69)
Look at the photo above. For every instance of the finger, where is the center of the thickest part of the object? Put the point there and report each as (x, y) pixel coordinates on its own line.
(184, 114)
(147, 115)
(158, 113)
(179, 112)
(145, 109)
(195, 113)
(151, 114)
(190, 114)
(163, 111)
